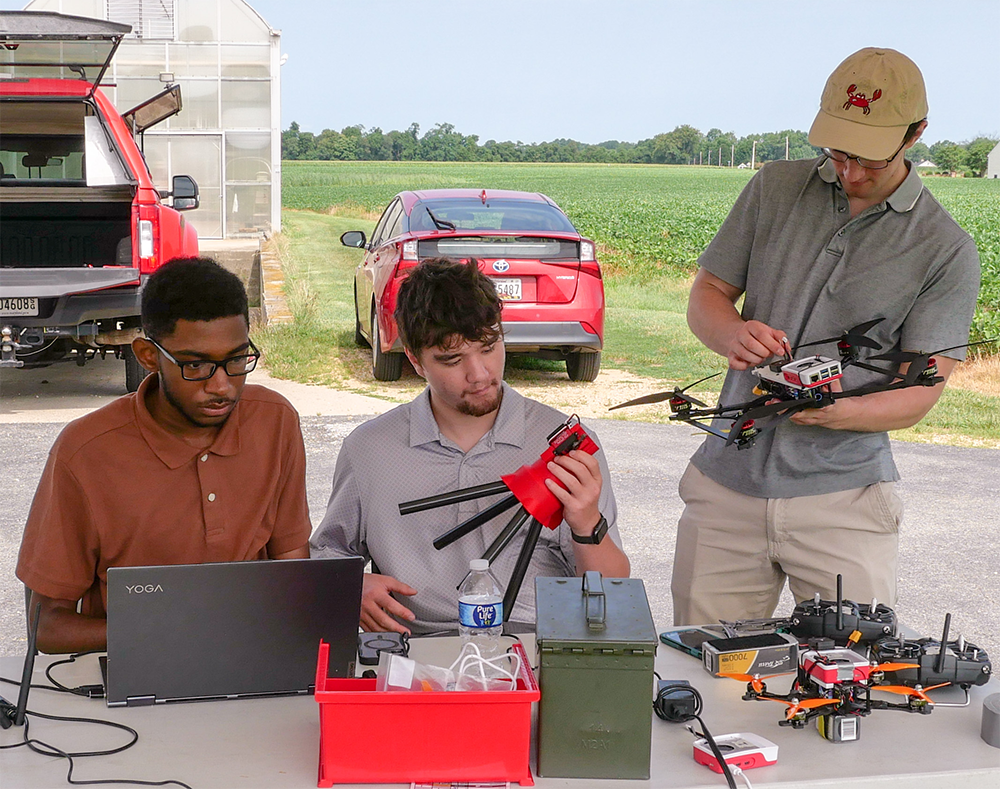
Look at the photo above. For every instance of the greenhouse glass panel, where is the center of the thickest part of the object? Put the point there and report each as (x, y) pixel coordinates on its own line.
(241, 23)
(248, 209)
(252, 60)
(200, 100)
(248, 157)
(194, 60)
(198, 21)
(246, 105)
(140, 60)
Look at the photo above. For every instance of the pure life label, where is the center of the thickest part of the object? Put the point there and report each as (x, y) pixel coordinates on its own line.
(480, 615)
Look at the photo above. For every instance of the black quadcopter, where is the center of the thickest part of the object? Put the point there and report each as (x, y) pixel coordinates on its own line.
(789, 385)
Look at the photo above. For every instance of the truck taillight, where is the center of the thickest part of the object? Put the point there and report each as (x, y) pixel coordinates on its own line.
(145, 238)
(148, 238)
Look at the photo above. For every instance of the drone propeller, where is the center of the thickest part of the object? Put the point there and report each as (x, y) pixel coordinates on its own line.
(659, 397)
(917, 692)
(753, 680)
(894, 666)
(854, 337)
(795, 706)
(919, 361)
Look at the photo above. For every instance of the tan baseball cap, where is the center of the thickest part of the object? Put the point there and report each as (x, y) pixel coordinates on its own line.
(868, 103)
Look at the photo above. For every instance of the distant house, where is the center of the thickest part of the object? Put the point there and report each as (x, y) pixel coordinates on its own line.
(927, 164)
(993, 162)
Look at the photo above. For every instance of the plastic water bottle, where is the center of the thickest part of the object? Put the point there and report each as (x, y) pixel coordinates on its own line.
(480, 609)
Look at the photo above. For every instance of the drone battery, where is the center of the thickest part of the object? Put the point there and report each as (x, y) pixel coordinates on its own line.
(596, 644)
(839, 728)
(765, 654)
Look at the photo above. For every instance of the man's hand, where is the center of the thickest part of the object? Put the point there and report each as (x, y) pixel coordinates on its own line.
(377, 604)
(754, 343)
(714, 319)
(580, 473)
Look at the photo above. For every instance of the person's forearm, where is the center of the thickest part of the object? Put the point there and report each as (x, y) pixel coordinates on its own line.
(61, 630)
(712, 317)
(607, 558)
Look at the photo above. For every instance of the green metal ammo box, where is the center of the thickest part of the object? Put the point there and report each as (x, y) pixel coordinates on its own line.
(596, 642)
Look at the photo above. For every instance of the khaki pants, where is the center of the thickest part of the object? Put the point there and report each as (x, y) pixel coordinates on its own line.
(734, 551)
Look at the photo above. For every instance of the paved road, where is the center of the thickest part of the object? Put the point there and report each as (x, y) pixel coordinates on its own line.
(949, 544)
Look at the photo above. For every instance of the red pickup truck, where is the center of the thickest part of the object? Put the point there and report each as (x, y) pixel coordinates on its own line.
(81, 223)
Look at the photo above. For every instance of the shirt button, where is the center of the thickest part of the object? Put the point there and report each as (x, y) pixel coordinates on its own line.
(841, 209)
(211, 497)
(204, 458)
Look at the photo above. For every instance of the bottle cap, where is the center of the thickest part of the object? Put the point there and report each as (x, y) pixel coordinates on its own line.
(479, 564)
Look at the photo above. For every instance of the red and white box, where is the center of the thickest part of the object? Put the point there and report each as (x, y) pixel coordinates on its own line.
(742, 750)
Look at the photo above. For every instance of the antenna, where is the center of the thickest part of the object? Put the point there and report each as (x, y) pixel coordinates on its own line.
(29, 668)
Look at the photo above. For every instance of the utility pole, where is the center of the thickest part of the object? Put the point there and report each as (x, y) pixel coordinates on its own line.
(732, 155)
(720, 156)
(786, 147)
(753, 156)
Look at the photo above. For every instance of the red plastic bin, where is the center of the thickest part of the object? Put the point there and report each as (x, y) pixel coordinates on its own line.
(367, 736)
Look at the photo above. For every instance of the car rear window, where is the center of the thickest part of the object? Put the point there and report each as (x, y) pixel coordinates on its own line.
(498, 214)
(491, 247)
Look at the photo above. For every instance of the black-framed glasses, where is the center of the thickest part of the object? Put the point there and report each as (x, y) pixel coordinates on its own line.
(203, 369)
(871, 164)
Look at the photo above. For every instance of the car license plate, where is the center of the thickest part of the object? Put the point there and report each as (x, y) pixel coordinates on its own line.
(508, 289)
(24, 307)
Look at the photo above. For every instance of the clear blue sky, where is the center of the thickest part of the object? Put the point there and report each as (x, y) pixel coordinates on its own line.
(594, 70)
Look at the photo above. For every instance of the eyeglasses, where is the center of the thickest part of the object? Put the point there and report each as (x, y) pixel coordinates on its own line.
(870, 164)
(202, 370)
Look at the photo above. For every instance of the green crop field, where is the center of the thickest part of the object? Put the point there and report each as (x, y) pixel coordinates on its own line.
(649, 221)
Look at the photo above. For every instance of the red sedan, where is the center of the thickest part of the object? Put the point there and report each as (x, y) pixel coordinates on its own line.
(543, 269)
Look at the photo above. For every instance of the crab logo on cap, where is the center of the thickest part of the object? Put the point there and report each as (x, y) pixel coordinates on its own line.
(860, 100)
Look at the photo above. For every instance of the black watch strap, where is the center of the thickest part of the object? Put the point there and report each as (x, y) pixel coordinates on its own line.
(598, 534)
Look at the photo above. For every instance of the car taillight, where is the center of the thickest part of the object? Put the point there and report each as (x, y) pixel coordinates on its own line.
(407, 256)
(588, 259)
(148, 237)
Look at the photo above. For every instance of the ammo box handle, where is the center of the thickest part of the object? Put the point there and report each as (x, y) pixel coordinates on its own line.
(593, 595)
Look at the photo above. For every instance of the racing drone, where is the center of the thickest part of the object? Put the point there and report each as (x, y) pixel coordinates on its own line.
(849, 650)
(789, 385)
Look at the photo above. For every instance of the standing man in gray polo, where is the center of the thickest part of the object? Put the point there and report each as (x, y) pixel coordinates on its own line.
(815, 247)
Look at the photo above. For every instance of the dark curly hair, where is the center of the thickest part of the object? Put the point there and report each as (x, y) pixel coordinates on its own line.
(192, 289)
(442, 299)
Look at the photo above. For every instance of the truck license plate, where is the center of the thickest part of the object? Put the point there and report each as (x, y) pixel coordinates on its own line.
(508, 289)
(23, 307)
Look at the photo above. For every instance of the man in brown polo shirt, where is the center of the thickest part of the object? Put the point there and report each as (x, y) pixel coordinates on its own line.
(193, 467)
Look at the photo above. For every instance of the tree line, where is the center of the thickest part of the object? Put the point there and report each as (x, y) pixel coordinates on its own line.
(684, 145)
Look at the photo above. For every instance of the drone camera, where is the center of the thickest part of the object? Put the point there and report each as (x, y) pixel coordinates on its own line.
(839, 728)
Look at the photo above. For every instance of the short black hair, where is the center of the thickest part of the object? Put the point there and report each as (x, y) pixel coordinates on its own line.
(191, 289)
(442, 299)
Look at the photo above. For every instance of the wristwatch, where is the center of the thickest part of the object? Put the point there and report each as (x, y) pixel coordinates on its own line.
(598, 534)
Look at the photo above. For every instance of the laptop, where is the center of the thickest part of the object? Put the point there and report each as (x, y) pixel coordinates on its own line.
(191, 632)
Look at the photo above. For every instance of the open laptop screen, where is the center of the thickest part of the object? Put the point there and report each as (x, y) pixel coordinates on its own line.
(226, 630)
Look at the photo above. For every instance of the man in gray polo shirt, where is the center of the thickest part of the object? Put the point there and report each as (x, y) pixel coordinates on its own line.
(816, 247)
(466, 428)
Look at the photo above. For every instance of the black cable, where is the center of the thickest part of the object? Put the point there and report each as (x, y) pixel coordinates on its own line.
(680, 703)
(89, 691)
(46, 749)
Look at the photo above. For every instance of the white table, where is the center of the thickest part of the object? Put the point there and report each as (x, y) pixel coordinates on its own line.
(274, 742)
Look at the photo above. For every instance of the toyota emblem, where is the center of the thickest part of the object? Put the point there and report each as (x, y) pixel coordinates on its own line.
(500, 266)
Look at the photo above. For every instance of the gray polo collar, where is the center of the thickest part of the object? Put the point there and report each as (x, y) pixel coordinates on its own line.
(507, 429)
(901, 201)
